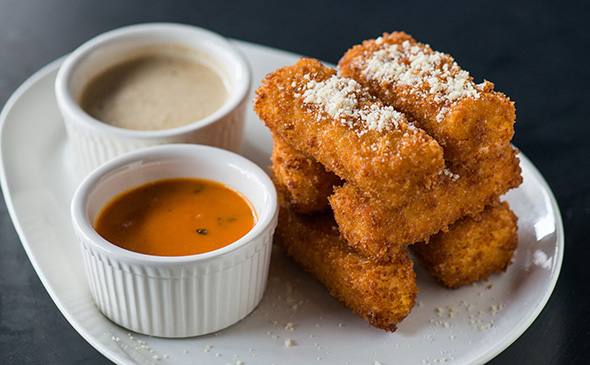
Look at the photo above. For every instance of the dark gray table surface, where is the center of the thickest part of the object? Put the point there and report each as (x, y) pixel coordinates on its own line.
(536, 52)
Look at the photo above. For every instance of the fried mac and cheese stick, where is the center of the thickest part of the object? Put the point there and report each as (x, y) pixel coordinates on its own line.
(468, 120)
(378, 231)
(381, 293)
(306, 186)
(339, 124)
(306, 183)
(473, 248)
(373, 227)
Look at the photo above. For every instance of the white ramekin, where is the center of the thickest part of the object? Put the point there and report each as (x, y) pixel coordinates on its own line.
(176, 296)
(95, 142)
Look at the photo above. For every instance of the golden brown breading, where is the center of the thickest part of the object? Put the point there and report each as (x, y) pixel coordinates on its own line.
(306, 182)
(473, 249)
(468, 120)
(381, 293)
(351, 133)
(390, 228)
(372, 227)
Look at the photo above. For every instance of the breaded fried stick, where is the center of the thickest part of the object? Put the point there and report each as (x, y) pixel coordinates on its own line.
(306, 183)
(468, 120)
(313, 185)
(375, 228)
(473, 249)
(309, 187)
(379, 231)
(381, 293)
(339, 124)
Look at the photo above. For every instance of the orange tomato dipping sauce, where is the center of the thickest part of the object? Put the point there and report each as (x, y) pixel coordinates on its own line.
(176, 217)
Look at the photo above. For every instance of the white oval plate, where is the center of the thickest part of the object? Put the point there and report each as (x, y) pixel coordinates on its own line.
(467, 325)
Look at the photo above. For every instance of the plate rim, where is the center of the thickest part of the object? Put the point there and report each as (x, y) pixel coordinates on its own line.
(518, 330)
(12, 100)
(511, 337)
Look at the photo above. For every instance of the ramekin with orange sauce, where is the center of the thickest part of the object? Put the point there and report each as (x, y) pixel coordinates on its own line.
(176, 295)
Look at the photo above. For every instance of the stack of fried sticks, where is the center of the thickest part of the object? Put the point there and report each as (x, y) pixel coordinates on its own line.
(398, 148)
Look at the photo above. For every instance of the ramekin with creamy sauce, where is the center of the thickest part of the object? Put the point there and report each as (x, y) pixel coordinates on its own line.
(151, 84)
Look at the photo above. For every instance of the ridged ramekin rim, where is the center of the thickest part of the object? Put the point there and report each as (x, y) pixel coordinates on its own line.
(88, 251)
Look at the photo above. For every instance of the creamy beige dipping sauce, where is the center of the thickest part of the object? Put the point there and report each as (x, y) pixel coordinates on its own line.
(156, 89)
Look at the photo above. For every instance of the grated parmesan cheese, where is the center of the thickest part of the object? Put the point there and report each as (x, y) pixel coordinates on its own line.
(450, 174)
(290, 343)
(427, 72)
(339, 98)
(541, 259)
